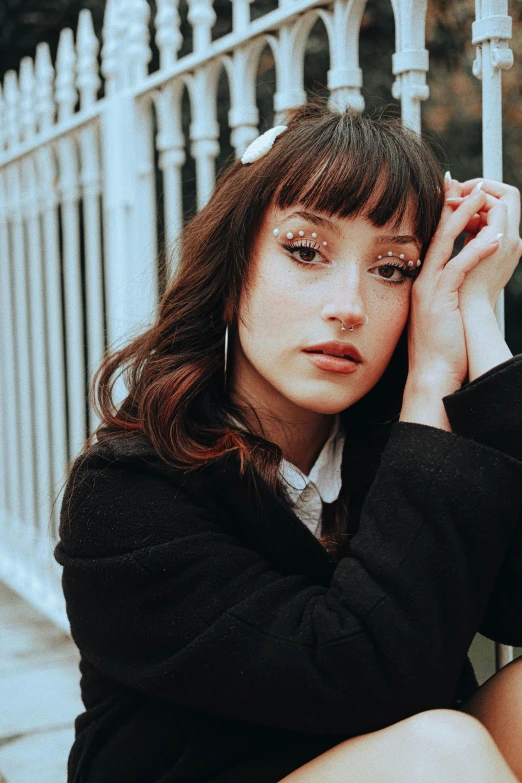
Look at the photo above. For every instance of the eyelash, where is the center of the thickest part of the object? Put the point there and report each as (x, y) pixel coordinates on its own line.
(408, 273)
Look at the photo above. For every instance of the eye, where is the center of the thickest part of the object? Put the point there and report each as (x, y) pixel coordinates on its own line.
(393, 272)
(308, 252)
(391, 268)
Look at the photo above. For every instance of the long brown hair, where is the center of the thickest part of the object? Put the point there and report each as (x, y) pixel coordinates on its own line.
(335, 162)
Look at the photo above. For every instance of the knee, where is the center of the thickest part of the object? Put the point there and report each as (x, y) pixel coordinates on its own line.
(498, 701)
(447, 730)
(510, 676)
(447, 741)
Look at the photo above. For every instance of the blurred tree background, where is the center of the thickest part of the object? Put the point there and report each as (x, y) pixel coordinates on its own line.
(451, 116)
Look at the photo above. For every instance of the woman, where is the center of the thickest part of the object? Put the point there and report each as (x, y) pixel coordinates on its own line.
(274, 560)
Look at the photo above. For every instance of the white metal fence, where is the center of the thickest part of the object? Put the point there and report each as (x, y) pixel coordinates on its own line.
(78, 207)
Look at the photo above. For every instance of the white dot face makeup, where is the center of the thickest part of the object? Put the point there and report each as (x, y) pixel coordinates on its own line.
(310, 277)
(302, 233)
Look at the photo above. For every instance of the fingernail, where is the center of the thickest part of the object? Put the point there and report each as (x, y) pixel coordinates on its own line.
(479, 186)
(452, 199)
(499, 236)
(447, 176)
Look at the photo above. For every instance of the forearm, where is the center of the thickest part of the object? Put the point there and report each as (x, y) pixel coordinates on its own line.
(486, 347)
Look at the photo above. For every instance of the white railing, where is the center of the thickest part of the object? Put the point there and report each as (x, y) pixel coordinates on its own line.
(78, 212)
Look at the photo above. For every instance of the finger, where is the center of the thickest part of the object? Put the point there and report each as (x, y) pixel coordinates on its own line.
(497, 217)
(457, 200)
(501, 190)
(456, 187)
(492, 186)
(449, 229)
(456, 269)
(495, 212)
(473, 227)
(452, 224)
(451, 189)
(478, 221)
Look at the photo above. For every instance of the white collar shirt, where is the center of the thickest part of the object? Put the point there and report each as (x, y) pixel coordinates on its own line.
(323, 483)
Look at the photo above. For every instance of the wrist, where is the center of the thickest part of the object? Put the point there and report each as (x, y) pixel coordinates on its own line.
(485, 344)
(431, 383)
(477, 307)
(422, 400)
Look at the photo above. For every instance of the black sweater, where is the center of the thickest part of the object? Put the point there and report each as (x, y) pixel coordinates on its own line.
(220, 642)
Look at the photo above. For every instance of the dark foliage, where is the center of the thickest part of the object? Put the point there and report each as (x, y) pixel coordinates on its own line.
(451, 115)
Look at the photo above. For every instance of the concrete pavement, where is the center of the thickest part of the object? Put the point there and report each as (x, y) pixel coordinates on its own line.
(39, 694)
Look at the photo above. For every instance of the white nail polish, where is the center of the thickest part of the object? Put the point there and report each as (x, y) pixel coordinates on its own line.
(447, 176)
(479, 186)
(499, 236)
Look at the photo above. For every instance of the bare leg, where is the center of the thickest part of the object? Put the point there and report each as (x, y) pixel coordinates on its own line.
(498, 706)
(436, 746)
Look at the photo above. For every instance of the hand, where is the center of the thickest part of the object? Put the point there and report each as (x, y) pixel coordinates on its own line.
(436, 338)
(499, 214)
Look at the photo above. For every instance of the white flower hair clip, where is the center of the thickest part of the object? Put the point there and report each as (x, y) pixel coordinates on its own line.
(262, 144)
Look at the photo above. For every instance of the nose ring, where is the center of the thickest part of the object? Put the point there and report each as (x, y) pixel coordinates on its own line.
(343, 327)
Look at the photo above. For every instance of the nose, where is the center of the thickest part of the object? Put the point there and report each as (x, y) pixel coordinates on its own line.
(345, 300)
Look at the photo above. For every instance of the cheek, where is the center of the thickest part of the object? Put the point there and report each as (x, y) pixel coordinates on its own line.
(394, 312)
(391, 305)
(276, 306)
(390, 312)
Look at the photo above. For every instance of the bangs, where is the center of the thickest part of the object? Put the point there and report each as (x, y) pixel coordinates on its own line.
(354, 166)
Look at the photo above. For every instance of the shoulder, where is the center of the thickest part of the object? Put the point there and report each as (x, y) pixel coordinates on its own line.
(121, 496)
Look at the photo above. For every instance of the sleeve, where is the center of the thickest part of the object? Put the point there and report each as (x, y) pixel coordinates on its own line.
(489, 410)
(190, 614)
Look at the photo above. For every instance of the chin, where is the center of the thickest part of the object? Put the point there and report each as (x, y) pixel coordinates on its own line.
(325, 403)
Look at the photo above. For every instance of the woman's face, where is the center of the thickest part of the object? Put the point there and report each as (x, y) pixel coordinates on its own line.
(291, 307)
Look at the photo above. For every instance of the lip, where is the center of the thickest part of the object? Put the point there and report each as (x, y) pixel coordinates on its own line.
(333, 363)
(337, 347)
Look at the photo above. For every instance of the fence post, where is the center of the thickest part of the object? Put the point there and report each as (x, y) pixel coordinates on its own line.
(410, 62)
(490, 33)
(90, 183)
(343, 24)
(129, 237)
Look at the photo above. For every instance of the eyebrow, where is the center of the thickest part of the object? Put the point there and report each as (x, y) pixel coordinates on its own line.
(318, 220)
(398, 239)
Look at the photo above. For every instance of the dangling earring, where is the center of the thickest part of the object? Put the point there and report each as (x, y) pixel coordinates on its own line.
(226, 355)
